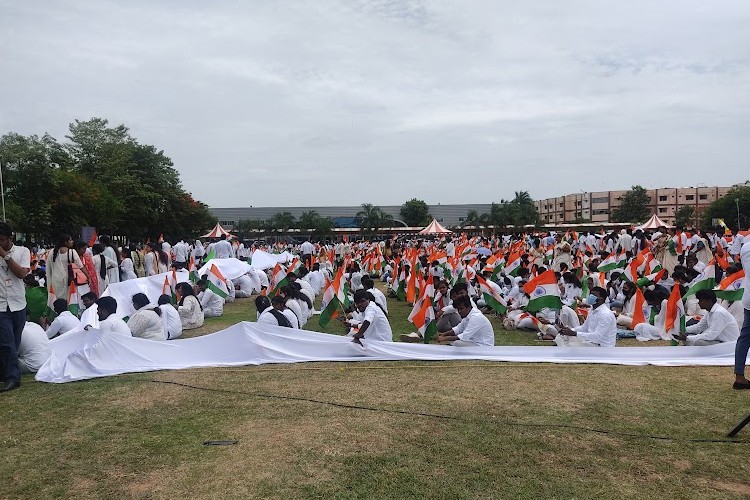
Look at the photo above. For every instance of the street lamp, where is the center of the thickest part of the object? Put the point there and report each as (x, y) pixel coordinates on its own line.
(736, 201)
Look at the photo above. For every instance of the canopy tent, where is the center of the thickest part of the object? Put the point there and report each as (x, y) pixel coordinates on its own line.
(434, 228)
(217, 232)
(654, 223)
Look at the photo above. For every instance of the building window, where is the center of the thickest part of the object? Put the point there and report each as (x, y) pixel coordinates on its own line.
(689, 197)
(461, 219)
(603, 199)
(662, 198)
(561, 205)
(662, 210)
(702, 196)
(600, 212)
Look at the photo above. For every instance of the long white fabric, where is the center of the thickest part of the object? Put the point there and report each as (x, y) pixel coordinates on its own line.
(85, 355)
(151, 285)
(264, 260)
(229, 268)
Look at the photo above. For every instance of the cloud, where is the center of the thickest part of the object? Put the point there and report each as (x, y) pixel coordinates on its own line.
(343, 102)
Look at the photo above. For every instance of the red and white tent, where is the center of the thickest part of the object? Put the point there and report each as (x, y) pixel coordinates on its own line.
(217, 232)
(654, 223)
(434, 228)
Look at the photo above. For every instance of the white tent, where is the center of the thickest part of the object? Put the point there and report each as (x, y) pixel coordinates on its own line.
(216, 232)
(654, 223)
(434, 228)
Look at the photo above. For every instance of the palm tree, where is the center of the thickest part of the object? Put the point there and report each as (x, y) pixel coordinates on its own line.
(309, 220)
(372, 217)
(472, 218)
(283, 221)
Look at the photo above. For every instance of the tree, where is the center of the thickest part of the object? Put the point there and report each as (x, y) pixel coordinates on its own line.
(415, 213)
(283, 221)
(309, 220)
(633, 206)
(246, 228)
(472, 218)
(727, 207)
(522, 209)
(373, 218)
(684, 216)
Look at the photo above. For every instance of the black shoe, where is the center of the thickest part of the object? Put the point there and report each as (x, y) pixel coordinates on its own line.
(10, 386)
(741, 385)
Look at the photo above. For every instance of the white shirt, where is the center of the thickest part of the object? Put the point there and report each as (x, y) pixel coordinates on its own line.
(171, 320)
(379, 328)
(599, 328)
(213, 305)
(745, 256)
(291, 317)
(223, 249)
(307, 248)
(116, 325)
(379, 298)
(475, 328)
(146, 324)
(12, 289)
(718, 324)
(64, 323)
(181, 250)
(34, 349)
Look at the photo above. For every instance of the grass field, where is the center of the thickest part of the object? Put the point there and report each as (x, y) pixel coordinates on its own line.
(379, 430)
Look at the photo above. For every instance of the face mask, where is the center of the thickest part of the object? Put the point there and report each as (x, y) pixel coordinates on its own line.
(592, 299)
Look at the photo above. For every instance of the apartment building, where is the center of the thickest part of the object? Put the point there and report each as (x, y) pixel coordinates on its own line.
(597, 206)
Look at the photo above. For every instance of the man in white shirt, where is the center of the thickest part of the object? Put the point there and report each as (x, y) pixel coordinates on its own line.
(743, 342)
(34, 350)
(375, 325)
(106, 307)
(213, 305)
(599, 329)
(222, 248)
(64, 322)
(307, 250)
(15, 262)
(715, 327)
(473, 330)
(450, 248)
(369, 285)
(181, 254)
(244, 286)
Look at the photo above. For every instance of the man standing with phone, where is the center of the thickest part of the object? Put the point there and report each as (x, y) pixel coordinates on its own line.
(15, 262)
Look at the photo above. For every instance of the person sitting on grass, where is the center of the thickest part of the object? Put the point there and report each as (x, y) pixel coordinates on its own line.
(212, 304)
(146, 321)
(170, 317)
(106, 307)
(599, 329)
(189, 308)
(369, 285)
(272, 312)
(64, 322)
(473, 330)
(375, 325)
(715, 327)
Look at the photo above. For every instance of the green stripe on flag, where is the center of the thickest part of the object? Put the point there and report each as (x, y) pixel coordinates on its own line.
(546, 301)
(218, 291)
(494, 303)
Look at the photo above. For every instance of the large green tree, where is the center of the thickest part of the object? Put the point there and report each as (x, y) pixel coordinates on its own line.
(415, 213)
(102, 177)
(633, 206)
(373, 218)
(684, 216)
(732, 206)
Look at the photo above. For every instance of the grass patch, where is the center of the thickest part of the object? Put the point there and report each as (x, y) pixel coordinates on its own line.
(504, 435)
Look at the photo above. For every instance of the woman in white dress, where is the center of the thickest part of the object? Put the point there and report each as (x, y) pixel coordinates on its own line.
(113, 254)
(103, 265)
(57, 266)
(127, 270)
(189, 307)
(156, 260)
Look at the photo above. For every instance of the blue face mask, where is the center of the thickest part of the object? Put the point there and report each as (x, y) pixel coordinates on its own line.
(592, 299)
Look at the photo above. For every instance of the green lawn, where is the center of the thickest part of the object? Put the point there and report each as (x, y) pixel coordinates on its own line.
(379, 430)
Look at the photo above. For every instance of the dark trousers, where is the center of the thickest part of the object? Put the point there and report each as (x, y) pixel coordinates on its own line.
(11, 328)
(743, 343)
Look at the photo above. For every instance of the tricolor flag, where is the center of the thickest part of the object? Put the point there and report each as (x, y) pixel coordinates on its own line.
(278, 279)
(706, 280)
(651, 278)
(513, 265)
(51, 298)
(193, 270)
(94, 237)
(428, 290)
(424, 319)
(217, 283)
(411, 286)
(608, 264)
(622, 259)
(294, 266)
(330, 304)
(731, 288)
(73, 299)
(675, 315)
(543, 292)
(491, 297)
(211, 255)
(640, 309)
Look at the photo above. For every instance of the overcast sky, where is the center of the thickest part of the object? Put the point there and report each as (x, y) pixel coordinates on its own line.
(329, 102)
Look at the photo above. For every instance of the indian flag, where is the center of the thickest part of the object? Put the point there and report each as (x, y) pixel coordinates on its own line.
(731, 288)
(424, 319)
(608, 264)
(513, 265)
(622, 259)
(278, 278)
(428, 290)
(211, 255)
(491, 297)
(193, 270)
(217, 283)
(543, 292)
(706, 280)
(73, 299)
(294, 266)
(654, 277)
(640, 309)
(330, 304)
(675, 311)
(51, 298)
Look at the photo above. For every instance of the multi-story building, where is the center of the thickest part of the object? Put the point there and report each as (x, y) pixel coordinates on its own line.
(597, 206)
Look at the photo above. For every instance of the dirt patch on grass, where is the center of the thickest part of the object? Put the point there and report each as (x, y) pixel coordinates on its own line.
(147, 395)
(735, 488)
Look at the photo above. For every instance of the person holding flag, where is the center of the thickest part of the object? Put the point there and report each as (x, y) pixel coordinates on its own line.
(715, 327)
(375, 325)
(599, 329)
